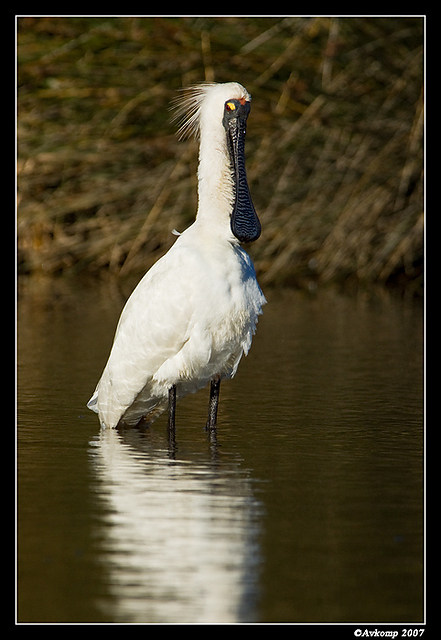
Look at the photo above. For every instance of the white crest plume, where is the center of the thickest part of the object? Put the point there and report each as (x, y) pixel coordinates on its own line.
(188, 107)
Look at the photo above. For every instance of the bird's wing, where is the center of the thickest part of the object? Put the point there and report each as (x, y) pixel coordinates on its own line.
(155, 324)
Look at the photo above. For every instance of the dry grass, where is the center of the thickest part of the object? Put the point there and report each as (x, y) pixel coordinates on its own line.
(334, 143)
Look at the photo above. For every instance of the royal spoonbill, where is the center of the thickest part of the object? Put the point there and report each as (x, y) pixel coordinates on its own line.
(193, 314)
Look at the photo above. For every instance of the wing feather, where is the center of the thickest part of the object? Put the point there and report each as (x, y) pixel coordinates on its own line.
(154, 325)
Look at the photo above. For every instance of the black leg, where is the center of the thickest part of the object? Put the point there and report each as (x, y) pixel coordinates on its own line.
(171, 408)
(214, 402)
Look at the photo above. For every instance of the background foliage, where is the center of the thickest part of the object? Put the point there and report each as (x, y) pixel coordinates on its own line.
(334, 142)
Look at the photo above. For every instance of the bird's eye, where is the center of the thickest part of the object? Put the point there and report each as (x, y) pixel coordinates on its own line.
(230, 106)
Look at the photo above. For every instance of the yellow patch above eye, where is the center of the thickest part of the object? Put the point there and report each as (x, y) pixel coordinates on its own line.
(231, 106)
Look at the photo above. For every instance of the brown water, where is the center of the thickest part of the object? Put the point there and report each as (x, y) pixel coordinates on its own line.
(308, 509)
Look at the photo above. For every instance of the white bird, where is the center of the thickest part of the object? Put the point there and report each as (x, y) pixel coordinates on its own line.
(194, 313)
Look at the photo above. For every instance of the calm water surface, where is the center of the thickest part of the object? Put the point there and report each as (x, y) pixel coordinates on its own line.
(309, 508)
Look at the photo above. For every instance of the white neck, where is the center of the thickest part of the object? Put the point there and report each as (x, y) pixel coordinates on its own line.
(204, 109)
(215, 188)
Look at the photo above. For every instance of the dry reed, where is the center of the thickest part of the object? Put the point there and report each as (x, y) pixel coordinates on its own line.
(335, 142)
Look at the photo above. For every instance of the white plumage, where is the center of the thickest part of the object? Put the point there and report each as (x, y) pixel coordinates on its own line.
(194, 313)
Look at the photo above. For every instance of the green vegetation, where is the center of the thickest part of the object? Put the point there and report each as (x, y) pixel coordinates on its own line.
(334, 142)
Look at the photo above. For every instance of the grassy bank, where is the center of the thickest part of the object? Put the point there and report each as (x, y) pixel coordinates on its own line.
(334, 142)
